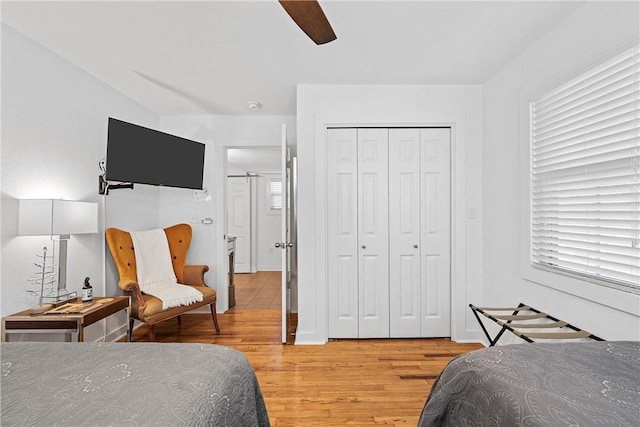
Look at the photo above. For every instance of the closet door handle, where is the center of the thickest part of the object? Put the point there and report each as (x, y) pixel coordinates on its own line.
(364, 246)
(415, 246)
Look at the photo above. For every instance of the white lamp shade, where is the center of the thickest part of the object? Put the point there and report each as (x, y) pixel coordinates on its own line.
(44, 217)
(34, 217)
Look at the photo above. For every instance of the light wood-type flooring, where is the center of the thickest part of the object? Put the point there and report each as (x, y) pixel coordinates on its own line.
(258, 291)
(345, 382)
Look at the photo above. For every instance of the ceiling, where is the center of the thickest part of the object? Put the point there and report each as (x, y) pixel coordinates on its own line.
(212, 57)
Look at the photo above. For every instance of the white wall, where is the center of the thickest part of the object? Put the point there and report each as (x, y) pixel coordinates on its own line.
(593, 32)
(218, 133)
(54, 133)
(131, 210)
(360, 105)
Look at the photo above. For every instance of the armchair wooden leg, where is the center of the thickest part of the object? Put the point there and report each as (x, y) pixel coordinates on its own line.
(151, 331)
(215, 317)
(131, 319)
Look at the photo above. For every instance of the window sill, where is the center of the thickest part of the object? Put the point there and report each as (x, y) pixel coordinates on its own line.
(617, 299)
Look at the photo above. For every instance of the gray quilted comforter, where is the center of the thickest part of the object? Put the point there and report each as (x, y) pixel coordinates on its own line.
(561, 384)
(132, 384)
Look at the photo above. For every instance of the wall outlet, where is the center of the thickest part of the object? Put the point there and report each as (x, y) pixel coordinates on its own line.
(201, 195)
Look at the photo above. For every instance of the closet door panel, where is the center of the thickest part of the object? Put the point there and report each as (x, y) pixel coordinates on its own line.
(404, 233)
(342, 239)
(370, 308)
(372, 208)
(435, 159)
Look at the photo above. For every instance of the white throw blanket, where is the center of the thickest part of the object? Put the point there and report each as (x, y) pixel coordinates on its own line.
(155, 271)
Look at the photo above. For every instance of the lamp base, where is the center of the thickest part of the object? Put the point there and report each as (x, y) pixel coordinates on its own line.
(40, 309)
(63, 297)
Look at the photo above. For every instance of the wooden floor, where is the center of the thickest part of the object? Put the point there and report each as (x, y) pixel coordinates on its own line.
(345, 382)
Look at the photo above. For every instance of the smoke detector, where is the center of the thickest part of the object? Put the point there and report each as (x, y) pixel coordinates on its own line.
(254, 105)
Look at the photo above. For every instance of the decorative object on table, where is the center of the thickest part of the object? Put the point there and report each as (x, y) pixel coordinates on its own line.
(58, 219)
(45, 278)
(87, 290)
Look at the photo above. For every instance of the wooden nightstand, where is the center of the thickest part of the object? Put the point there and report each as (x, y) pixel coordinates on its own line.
(74, 323)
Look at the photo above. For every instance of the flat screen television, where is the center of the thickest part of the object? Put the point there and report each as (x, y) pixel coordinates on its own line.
(136, 154)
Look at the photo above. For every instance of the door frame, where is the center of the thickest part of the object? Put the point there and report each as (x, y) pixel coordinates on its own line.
(457, 124)
(220, 193)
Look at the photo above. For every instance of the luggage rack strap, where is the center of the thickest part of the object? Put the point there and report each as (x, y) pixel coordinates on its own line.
(559, 324)
(555, 335)
(524, 307)
(520, 316)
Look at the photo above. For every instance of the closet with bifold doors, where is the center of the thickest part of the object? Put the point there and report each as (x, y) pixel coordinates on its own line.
(389, 233)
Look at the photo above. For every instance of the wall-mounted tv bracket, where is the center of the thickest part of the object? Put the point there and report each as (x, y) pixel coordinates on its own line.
(104, 186)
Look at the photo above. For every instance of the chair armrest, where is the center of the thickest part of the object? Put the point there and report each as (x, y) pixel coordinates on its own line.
(132, 287)
(194, 275)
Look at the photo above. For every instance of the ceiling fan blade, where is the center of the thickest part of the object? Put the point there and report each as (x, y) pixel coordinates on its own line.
(311, 19)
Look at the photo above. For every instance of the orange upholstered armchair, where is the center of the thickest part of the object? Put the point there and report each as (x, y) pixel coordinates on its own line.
(145, 307)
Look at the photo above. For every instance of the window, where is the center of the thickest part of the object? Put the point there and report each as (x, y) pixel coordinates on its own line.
(585, 175)
(275, 193)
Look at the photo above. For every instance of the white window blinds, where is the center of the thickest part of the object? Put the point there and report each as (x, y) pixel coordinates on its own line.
(275, 194)
(585, 175)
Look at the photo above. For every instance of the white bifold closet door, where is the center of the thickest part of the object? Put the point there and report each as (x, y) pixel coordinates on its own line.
(358, 232)
(419, 232)
(388, 232)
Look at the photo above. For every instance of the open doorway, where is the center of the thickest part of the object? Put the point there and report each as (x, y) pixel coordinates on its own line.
(254, 205)
(253, 226)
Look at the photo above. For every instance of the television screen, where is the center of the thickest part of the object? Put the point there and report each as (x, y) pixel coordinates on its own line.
(145, 156)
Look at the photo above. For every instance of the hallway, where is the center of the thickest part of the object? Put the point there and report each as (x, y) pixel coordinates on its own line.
(258, 291)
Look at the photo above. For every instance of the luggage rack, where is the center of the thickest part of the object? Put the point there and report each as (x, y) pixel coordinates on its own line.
(505, 321)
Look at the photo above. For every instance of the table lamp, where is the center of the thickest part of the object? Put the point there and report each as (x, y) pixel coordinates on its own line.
(58, 219)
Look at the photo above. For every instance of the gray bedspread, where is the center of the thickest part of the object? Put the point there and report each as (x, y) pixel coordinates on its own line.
(128, 384)
(560, 384)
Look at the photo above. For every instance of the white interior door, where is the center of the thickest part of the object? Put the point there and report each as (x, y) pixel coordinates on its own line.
(239, 221)
(285, 241)
(404, 233)
(373, 232)
(342, 229)
(435, 159)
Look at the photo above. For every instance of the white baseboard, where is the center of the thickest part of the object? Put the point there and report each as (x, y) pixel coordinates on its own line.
(308, 339)
(471, 341)
(273, 267)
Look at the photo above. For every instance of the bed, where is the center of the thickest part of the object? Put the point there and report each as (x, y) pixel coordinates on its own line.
(133, 384)
(539, 384)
